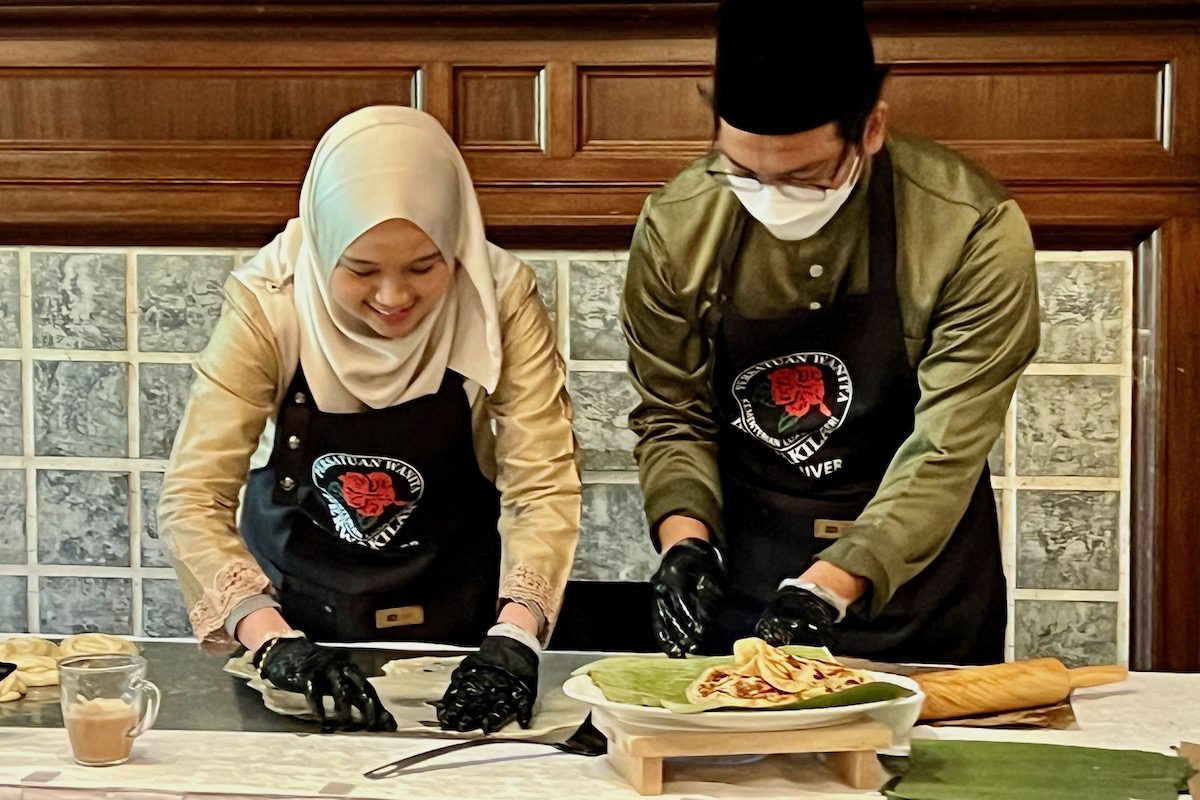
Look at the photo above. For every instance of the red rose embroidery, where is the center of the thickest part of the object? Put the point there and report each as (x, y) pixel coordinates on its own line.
(370, 494)
(798, 389)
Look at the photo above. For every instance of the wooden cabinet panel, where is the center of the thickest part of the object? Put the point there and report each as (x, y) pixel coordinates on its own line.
(194, 105)
(649, 108)
(498, 108)
(1030, 101)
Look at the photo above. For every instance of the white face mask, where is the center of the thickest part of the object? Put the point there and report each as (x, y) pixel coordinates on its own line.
(790, 212)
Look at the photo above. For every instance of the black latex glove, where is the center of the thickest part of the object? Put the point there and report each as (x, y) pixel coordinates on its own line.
(688, 587)
(298, 665)
(797, 616)
(491, 688)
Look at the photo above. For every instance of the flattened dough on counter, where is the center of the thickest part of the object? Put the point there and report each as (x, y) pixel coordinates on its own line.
(96, 644)
(11, 688)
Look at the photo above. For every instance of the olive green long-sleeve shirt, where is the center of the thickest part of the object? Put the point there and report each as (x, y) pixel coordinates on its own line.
(968, 299)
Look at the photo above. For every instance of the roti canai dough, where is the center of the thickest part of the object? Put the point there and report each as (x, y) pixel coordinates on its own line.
(763, 676)
(35, 670)
(96, 644)
(11, 688)
(27, 645)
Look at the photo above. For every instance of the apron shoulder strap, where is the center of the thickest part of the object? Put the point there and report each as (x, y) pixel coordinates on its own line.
(882, 224)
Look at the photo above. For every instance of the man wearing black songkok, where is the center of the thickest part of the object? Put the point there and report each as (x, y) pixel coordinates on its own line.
(826, 324)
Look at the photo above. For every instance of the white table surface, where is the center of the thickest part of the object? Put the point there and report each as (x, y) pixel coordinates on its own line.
(1151, 711)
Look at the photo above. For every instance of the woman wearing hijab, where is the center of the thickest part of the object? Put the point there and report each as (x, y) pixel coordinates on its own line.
(388, 381)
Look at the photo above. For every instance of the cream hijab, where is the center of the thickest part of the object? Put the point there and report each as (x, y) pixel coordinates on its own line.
(376, 164)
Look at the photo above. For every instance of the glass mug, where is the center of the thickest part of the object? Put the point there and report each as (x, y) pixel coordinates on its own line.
(106, 703)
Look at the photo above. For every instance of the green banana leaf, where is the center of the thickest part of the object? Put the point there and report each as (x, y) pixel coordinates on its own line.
(661, 682)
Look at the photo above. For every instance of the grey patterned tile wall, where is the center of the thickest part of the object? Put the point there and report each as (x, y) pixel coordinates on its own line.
(1069, 425)
(80, 408)
(595, 300)
(79, 300)
(14, 610)
(546, 273)
(1068, 540)
(1067, 429)
(163, 612)
(603, 401)
(10, 408)
(1083, 308)
(12, 517)
(83, 517)
(82, 605)
(154, 549)
(179, 300)
(10, 299)
(164, 393)
(615, 543)
(1076, 632)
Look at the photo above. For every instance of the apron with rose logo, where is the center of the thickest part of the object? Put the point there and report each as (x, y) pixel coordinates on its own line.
(813, 408)
(378, 524)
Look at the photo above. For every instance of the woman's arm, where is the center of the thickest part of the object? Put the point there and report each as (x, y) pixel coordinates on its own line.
(234, 394)
(536, 469)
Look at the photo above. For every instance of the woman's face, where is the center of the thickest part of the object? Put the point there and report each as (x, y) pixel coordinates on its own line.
(390, 278)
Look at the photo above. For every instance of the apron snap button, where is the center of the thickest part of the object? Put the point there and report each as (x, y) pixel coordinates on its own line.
(293, 443)
(300, 399)
(287, 484)
(816, 270)
(814, 306)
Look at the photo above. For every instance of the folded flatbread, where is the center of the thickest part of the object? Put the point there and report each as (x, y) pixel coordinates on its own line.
(763, 676)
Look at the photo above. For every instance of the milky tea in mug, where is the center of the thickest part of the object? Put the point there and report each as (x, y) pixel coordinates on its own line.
(106, 703)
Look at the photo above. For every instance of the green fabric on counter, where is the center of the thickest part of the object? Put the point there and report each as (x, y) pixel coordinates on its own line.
(940, 770)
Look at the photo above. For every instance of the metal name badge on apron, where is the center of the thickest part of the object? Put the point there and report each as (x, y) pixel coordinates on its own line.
(814, 406)
(378, 524)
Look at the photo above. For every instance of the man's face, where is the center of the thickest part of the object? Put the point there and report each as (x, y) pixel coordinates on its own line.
(818, 157)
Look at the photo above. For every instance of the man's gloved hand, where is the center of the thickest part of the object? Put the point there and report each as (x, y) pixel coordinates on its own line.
(688, 588)
(491, 688)
(797, 616)
(295, 664)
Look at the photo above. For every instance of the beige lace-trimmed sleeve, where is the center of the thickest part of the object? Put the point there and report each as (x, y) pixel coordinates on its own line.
(235, 393)
(536, 469)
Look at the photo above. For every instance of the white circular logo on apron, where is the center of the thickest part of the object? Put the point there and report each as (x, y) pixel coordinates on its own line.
(793, 403)
(369, 497)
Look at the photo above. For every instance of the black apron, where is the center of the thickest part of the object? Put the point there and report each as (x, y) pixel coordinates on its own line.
(379, 524)
(813, 408)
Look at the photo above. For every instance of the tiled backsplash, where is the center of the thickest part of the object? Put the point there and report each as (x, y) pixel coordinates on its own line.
(94, 353)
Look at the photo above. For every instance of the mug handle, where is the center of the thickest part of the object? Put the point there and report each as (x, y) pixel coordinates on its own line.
(152, 698)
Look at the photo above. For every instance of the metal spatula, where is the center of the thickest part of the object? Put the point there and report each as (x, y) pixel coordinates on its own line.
(585, 741)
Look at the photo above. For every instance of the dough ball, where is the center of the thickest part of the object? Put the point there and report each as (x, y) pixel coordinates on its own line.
(27, 645)
(35, 670)
(95, 644)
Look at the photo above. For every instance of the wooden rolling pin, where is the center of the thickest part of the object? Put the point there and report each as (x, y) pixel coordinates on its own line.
(1007, 687)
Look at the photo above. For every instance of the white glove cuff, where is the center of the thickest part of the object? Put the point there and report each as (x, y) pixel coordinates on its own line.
(518, 633)
(835, 600)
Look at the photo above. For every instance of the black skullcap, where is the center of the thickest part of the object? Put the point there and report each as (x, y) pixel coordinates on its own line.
(785, 66)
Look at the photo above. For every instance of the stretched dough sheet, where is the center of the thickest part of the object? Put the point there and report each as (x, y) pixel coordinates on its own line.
(408, 685)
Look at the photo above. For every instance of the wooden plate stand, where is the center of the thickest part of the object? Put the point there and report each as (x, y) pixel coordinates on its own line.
(637, 754)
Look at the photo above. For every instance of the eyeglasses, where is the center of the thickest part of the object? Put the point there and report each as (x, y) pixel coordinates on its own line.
(724, 170)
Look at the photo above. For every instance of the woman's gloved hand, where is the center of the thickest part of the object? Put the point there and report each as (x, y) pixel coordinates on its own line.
(797, 616)
(295, 664)
(491, 687)
(688, 589)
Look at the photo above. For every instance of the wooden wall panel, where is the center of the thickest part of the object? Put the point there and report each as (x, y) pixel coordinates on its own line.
(1030, 101)
(499, 108)
(654, 107)
(194, 105)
